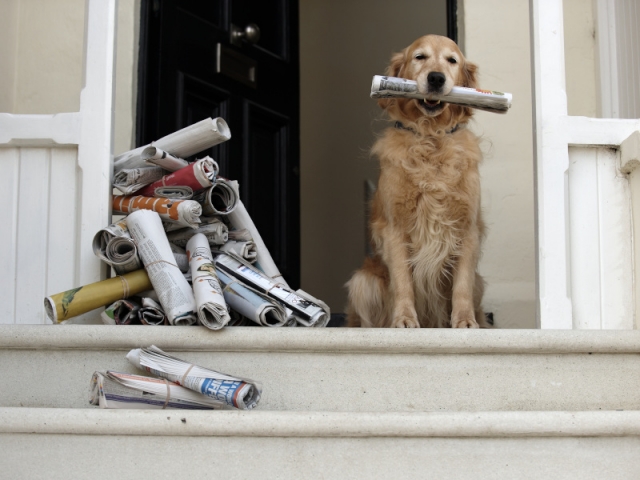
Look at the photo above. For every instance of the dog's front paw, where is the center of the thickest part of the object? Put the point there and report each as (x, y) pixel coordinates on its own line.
(464, 319)
(405, 321)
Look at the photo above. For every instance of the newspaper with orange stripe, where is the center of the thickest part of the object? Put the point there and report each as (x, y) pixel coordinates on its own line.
(183, 212)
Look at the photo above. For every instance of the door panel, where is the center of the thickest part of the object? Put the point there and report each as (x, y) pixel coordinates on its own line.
(179, 84)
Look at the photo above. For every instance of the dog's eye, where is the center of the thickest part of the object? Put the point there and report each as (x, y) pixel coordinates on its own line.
(452, 60)
(420, 56)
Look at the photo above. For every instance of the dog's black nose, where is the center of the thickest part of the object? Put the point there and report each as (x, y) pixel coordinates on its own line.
(436, 80)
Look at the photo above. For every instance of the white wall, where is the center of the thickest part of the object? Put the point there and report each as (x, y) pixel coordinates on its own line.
(497, 39)
(8, 47)
(580, 57)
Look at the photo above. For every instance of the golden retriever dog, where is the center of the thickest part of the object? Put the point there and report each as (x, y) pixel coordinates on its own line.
(426, 225)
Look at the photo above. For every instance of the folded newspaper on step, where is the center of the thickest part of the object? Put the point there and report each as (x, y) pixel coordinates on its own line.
(237, 392)
(123, 390)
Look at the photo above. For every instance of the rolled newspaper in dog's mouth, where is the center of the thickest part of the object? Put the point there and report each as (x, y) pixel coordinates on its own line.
(393, 87)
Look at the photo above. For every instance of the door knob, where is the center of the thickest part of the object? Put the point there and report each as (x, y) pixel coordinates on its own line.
(250, 34)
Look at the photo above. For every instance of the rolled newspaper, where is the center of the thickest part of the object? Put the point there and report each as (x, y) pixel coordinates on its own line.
(234, 391)
(183, 143)
(121, 312)
(184, 212)
(198, 175)
(217, 233)
(393, 87)
(244, 249)
(123, 390)
(219, 199)
(311, 311)
(155, 156)
(65, 305)
(174, 292)
(174, 191)
(180, 255)
(241, 220)
(240, 235)
(114, 246)
(151, 313)
(130, 180)
(212, 308)
(250, 303)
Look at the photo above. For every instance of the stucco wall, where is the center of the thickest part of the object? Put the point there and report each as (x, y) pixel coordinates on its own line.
(580, 57)
(41, 60)
(497, 39)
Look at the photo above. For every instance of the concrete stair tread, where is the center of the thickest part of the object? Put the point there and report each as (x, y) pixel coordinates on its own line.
(96, 421)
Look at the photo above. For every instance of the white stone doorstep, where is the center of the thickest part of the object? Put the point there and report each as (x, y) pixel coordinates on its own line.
(63, 421)
(308, 340)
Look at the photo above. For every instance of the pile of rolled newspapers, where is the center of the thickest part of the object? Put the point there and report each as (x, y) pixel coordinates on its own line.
(488, 100)
(186, 251)
(177, 384)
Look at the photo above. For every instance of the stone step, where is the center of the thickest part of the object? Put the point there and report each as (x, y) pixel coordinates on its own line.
(343, 370)
(67, 443)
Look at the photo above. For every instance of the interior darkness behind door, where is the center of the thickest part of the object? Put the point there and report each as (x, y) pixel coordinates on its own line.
(197, 60)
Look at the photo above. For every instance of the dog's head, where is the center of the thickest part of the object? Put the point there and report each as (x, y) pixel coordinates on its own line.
(436, 64)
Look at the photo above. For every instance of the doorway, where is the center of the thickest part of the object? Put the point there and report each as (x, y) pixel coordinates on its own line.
(236, 59)
(301, 134)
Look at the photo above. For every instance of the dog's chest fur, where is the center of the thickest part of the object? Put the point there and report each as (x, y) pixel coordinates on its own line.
(431, 192)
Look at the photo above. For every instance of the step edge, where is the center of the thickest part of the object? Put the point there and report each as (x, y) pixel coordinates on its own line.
(68, 421)
(339, 340)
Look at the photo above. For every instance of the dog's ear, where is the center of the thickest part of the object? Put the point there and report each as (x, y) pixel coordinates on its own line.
(468, 75)
(393, 70)
(395, 67)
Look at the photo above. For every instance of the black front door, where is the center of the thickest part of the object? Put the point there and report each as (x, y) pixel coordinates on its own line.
(202, 58)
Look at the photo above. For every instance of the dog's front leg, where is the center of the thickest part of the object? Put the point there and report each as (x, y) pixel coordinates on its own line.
(396, 257)
(464, 277)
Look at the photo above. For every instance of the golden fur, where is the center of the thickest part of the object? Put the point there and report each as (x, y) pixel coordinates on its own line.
(426, 224)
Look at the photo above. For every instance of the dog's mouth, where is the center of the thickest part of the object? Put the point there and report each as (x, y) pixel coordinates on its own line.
(431, 107)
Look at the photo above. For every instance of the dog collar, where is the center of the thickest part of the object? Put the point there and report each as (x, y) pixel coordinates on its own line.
(454, 129)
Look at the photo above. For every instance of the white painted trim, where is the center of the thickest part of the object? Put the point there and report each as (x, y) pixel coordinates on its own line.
(551, 165)
(358, 340)
(64, 421)
(73, 192)
(95, 149)
(43, 130)
(606, 59)
(555, 132)
(595, 132)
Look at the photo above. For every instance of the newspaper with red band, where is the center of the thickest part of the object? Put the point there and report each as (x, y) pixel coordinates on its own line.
(197, 175)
